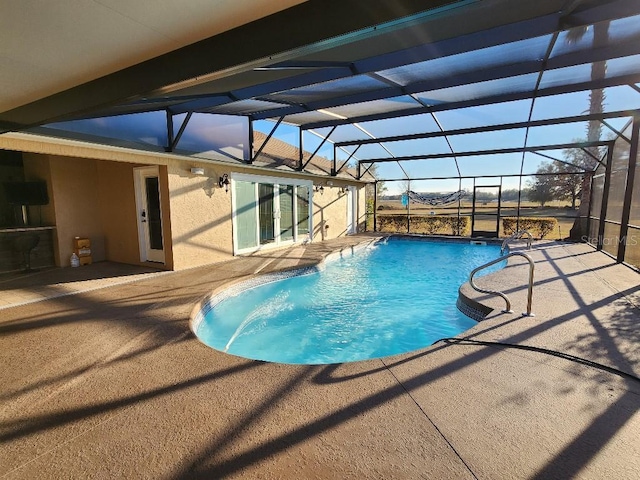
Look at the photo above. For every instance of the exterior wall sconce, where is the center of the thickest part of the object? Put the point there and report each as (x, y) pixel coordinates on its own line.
(343, 189)
(224, 182)
(319, 188)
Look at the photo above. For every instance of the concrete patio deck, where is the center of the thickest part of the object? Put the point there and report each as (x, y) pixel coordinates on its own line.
(110, 382)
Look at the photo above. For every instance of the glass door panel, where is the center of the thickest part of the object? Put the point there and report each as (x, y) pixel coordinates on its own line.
(286, 212)
(266, 213)
(154, 217)
(247, 231)
(302, 204)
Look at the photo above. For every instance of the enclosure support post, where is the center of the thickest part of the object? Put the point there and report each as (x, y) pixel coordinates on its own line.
(169, 146)
(375, 205)
(628, 194)
(458, 231)
(177, 137)
(250, 149)
(605, 198)
(408, 207)
(473, 207)
(300, 150)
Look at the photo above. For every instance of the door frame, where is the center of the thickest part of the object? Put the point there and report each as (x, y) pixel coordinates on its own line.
(147, 254)
(276, 182)
(497, 215)
(352, 210)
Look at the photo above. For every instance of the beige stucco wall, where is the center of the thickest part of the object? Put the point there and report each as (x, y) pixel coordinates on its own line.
(200, 216)
(330, 213)
(74, 183)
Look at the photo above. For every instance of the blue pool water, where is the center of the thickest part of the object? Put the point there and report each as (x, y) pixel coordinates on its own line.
(383, 300)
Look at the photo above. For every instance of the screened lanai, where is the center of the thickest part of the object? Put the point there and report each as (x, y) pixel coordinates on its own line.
(529, 109)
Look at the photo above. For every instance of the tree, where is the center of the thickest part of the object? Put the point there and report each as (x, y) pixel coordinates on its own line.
(568, 183)
(560, 179)
(596, 105)
(509, 195)
(542, 188)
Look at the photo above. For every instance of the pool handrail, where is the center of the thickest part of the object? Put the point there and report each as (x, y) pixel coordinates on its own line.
(506, 299)
(515, 236)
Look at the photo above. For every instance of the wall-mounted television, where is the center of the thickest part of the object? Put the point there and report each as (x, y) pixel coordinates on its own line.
(26, 193)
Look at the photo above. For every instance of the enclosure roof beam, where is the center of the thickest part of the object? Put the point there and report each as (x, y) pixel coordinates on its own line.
(176, 139)
(391, 89)
(476, 102)
(478, 153)
(266, 140)
(324, 139)
(561, 161)
(468, 177)
(492, 128)
(616, 131)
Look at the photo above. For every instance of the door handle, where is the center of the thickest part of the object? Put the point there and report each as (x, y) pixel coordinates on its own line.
(144, 216)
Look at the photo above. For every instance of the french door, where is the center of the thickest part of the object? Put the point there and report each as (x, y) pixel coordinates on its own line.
(269, 212)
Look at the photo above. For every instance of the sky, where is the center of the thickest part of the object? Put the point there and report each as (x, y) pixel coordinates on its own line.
(617, 98)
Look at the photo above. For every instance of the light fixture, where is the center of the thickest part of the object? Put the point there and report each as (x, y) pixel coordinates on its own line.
(224, 182)
(343, 189)
(197, 171)
(319, 188)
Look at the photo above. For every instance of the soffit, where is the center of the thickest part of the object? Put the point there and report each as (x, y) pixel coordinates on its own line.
(49, 47)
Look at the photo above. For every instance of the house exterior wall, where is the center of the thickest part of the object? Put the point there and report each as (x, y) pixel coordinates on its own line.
(118, 212)
(74, 183)
(94, 199)
(201, 213)
(92, 194)
(201, 227)
(329, 214)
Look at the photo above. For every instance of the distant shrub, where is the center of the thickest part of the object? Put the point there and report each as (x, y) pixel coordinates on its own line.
(426, 224)
(538, 226)
(392, 223)
(458, 225)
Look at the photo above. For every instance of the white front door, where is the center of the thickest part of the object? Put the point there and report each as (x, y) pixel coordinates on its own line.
(148, 205)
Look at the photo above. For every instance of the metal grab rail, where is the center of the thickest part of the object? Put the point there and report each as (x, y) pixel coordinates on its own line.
(515, 236)
(506, 299)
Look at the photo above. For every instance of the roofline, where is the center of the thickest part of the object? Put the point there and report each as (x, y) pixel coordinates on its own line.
(46, 145)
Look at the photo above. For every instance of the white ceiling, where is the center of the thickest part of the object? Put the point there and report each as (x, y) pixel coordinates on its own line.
(49, 46)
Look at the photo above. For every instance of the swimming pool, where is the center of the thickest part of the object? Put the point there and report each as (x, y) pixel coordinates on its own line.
(386, 299)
